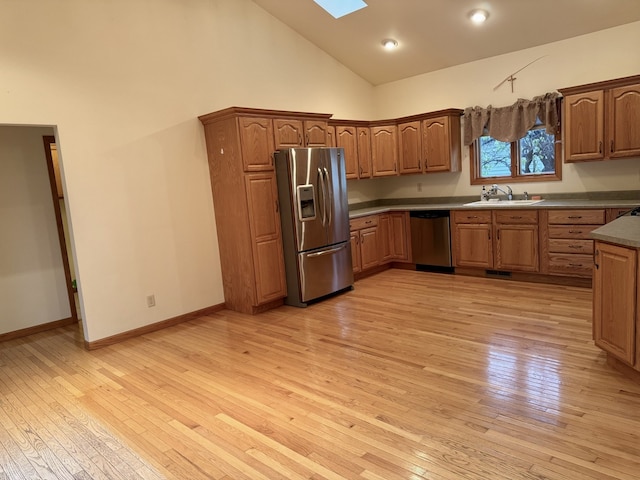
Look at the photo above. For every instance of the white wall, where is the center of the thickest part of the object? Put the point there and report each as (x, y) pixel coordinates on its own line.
(124, 82)
(32, 283)
(590, 58)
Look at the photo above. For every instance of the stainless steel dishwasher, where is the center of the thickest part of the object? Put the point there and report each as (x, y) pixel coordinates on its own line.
(431, 240)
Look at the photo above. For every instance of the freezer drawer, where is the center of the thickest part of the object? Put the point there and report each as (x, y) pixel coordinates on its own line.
(324, 271)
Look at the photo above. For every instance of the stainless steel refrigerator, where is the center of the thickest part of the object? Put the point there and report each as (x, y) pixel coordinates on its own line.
(314, 212)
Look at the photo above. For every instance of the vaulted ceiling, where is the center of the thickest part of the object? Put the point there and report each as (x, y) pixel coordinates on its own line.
(435, 34)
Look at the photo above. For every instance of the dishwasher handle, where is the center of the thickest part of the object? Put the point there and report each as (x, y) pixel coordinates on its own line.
(430, 214)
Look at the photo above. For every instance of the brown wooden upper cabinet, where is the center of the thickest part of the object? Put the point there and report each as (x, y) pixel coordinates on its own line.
(364, 152)
(430, 143)
(441, 143)
(601, 120)
(291, 133)
(256, 142)
(410, 143)
(384, 150)
(355, 140)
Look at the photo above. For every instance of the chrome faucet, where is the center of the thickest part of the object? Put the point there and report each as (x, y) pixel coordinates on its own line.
(495, 189)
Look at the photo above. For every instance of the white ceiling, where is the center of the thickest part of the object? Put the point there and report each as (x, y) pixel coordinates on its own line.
(435, 34)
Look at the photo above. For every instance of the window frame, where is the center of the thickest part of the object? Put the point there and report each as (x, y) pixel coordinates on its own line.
(516, 176)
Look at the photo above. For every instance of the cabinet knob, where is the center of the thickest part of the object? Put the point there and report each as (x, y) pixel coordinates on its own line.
(600, 146)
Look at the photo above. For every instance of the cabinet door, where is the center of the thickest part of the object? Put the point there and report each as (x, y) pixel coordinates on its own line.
(399, 250)
(364, 152)
(355, 251)
(369, 249)
(624, 122)
(264, 221)
(346, 137)
(614, 301)
(384, 237)
(288, 133)
(613, 213)
(410, 147)
(436, 148)
(315, 133)
(384, 150)
(473, 245)
(256, 142)
(331, 136)
(584, 126)
(517, 248)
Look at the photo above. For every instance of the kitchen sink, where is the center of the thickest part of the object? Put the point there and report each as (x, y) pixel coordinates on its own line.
(501, 203)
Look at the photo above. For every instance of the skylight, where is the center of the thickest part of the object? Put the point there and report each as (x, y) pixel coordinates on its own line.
(340, 8)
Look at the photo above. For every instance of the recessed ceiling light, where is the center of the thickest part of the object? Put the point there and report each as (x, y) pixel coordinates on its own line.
(478, 16)
(340, 8)
(389, 43)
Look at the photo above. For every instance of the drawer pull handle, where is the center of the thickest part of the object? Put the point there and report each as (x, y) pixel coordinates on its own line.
(575, 216)
(576, 265)
(515, 217)
(575, 246)
(368, 222)
(472, 216)
(575, 231)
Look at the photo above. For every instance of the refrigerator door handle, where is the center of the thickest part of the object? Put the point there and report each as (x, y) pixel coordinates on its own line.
(328, 199)
(327, 252)
(323, 204)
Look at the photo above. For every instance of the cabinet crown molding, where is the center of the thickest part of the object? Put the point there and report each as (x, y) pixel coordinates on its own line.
(607, 84)
(261, 113)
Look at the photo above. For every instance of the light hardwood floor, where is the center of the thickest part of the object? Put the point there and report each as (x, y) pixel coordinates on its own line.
(411, 375)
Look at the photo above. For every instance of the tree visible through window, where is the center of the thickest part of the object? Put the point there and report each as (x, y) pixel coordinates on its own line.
(534, 157)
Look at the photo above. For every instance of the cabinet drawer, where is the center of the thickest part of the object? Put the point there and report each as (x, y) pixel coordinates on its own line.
(576, 231)
(363, 222)
(516, 216)
(574, 265)
(471, 216)
(557, 245)
(577, 217)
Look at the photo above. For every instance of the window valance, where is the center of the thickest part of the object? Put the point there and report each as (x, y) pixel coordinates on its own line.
(511, 123)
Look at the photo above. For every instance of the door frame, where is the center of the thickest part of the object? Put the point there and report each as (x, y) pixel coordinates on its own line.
(49, 140)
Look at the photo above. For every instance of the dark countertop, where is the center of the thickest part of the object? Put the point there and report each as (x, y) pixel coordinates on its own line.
(622, 231)
(544, 204)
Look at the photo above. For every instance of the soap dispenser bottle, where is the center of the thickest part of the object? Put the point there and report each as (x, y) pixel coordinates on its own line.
(483, 195)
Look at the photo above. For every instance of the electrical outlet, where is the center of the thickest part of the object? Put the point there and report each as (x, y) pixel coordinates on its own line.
(151, 301)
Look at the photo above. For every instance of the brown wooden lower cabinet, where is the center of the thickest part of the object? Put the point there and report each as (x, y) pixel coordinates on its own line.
(499, 239)
(379, 239)
(566, 247)
(516, 240)
(615, 302)
(264, 222)
(365, 249)
(399, 236)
